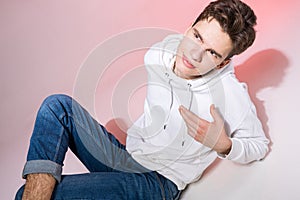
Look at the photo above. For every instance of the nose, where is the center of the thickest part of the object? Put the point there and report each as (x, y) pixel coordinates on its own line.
(197, 53)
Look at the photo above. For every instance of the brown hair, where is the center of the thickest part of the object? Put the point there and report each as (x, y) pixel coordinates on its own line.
(236, 18)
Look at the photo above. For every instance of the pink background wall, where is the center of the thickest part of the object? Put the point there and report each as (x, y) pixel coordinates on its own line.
(43, 45)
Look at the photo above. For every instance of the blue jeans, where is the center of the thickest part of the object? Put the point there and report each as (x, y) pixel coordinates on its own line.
(61, 123)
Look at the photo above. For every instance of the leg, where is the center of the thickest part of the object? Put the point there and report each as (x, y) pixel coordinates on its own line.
(116, 185)
(61, 123)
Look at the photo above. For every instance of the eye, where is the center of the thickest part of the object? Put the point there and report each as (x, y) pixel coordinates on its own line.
(213, 53)
(197, 36)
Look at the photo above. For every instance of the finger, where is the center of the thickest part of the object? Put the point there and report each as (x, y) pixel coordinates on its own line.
(196, 134)
(215, 113)
(188, 114)
(199, 126)
(192, 131)
(191, 125)
(195, 131)
(191, 117)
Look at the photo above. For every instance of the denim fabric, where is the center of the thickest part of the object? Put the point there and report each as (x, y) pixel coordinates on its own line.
(61, 123)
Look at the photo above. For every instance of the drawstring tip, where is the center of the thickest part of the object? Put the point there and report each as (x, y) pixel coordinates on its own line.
(182, 144)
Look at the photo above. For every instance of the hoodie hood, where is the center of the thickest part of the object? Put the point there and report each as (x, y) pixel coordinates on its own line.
(159, 62)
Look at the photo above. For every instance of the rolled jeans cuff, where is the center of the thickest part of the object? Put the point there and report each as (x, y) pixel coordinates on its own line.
(42, 166)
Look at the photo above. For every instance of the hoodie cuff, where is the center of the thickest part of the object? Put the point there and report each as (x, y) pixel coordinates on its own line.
(235, 152)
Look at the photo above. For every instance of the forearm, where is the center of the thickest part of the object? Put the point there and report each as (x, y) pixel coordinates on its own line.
(39, 186)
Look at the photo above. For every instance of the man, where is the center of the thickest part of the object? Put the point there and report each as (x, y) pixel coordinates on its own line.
(195, 111)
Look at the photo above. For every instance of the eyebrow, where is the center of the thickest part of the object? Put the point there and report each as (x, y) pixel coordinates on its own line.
(218, 54)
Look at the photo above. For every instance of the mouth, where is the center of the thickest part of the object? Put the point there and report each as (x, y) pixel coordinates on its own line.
(187, 63)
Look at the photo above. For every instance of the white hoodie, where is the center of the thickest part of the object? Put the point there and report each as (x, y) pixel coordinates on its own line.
(159, 140)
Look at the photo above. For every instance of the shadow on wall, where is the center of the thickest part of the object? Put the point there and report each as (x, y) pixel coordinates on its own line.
(265, 69)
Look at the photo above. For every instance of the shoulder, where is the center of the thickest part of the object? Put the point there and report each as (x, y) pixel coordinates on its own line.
(237, 100)
(236, 90)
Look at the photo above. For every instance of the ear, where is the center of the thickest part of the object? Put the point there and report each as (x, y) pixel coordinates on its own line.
(224, 63)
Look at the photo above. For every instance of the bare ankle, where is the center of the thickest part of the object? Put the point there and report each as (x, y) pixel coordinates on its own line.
(39, 187)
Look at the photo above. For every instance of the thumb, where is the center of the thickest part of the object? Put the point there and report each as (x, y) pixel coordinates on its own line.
(214, 113)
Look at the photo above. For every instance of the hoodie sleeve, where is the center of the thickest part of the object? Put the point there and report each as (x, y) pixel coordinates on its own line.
(249, 142)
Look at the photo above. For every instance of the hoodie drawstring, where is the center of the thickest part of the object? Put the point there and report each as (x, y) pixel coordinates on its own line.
(172, 100)
(191, 96)
(190, 106)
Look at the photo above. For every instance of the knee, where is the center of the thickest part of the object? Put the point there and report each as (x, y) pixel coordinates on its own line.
(57, 98)
(56, 103)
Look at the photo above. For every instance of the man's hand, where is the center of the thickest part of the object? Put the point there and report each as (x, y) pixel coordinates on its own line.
(210, 134)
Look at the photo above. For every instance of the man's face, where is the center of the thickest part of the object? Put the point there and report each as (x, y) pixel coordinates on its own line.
(203, 48)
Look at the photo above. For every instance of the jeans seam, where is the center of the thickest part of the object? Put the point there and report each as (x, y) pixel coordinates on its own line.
(78, 122)
(161, 186)
(59, 118)
(58, 146)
